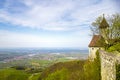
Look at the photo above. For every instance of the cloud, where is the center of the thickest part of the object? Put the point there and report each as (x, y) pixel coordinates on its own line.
(54, 14)
(65, 22)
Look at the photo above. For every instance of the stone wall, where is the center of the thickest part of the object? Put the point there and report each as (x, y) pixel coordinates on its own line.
(108, 65)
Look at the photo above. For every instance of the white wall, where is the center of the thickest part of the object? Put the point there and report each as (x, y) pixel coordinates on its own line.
(92, 52)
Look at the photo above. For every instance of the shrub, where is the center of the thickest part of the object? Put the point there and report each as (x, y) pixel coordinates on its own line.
(92, 69)
(115, 47)
(58, 75)
(118, 72)
(19, 67)
(73, 70)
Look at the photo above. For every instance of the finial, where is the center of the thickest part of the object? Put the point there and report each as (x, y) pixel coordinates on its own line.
(103, 15)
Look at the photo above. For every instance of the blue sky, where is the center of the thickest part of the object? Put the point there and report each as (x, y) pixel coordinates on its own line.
(50, 23)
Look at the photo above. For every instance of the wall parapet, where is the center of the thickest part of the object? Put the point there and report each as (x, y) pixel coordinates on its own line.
(108, 65)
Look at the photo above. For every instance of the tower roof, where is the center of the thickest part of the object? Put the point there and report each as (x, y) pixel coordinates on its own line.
(104, 23)
(97, 41)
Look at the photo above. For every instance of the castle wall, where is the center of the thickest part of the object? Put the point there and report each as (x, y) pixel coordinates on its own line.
(108, 65)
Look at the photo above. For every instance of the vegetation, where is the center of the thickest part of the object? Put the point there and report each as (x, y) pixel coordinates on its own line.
(113, 26)
(115, 47)
(34, 76)
(12, 74)
(73, 70)
(92, 69)
(19, 67)
(118, 72)
(111, 33)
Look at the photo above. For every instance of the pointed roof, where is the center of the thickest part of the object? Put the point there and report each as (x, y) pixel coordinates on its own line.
(97, 41)
(104, 23)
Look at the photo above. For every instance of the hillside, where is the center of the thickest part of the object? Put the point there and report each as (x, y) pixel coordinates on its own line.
(12, 74)
(64, 71)
(72, 70)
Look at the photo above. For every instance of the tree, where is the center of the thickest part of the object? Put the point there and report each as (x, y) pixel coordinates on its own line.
(112, 33)
(95, 25)
(114, 30)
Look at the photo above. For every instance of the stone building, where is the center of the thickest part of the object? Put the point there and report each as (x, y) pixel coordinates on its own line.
(98, 41)
(95, 45)
(103, 29)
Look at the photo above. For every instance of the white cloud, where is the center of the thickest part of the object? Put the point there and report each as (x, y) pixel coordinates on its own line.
(50, 14)
(55, 15)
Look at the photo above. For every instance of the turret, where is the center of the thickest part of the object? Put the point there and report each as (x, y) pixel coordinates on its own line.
(104, 29)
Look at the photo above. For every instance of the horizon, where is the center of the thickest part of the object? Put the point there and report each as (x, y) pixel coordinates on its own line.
(42, 48)
(50, 24)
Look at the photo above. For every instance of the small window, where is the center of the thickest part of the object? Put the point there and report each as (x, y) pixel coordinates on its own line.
(92, 48)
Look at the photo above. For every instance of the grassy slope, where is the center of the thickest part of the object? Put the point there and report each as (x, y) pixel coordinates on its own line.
(12, 74)
(34, 76)
(73, 70)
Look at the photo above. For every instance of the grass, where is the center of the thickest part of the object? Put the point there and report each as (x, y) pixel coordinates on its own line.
(12, 74)
(34, 76)
(73, 70)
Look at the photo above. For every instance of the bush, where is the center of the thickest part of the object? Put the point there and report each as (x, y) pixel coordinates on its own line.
(115, 47)
(73, 70)
(118, 72)
(19, 67)
(58, 75)
(92, 69)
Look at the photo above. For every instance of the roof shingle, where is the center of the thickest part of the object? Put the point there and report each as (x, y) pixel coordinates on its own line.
(96, 41)
(104, 24)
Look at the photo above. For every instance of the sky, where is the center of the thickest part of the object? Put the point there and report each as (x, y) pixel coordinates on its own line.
(50, 23)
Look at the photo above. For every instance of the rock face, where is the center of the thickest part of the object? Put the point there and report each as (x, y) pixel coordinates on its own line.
(108, 65)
